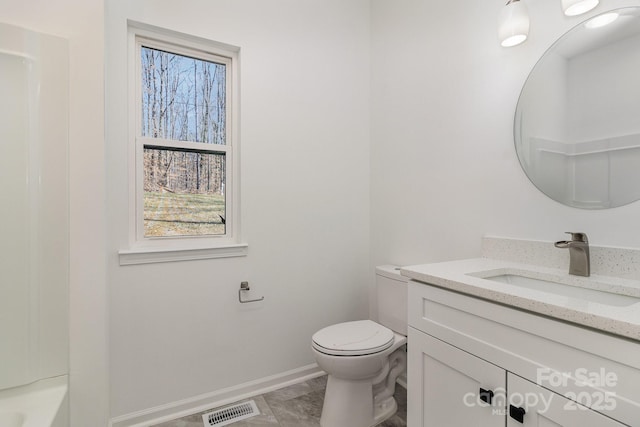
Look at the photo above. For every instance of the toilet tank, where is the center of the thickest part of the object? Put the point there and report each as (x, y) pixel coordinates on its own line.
(391, 288)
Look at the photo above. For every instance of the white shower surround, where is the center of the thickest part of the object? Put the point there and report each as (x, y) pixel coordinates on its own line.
(35, 219)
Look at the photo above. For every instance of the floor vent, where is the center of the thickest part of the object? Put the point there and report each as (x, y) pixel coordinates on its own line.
(231, 414)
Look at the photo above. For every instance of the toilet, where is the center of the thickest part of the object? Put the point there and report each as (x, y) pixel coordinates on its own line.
(364, 358)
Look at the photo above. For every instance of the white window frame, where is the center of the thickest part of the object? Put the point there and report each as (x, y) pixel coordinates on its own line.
(178, 248)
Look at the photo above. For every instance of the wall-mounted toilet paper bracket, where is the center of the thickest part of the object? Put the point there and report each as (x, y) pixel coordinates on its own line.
(244, 286)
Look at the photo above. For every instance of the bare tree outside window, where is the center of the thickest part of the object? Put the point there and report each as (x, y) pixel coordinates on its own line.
(183, 100)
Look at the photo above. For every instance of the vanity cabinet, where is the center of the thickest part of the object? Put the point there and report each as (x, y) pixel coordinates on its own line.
(445, 384)
(476, 363)
(456, 388)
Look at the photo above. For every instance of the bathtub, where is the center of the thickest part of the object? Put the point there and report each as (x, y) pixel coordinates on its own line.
(40, 404)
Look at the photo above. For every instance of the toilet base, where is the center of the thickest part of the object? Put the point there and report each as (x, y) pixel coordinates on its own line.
(384, 410)
(351, 403)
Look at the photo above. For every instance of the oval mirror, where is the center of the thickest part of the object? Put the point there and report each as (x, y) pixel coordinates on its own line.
(577, 123)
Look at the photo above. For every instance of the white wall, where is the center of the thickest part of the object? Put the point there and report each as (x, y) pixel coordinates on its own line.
(81, 22)
(177, 329)
(443, 167)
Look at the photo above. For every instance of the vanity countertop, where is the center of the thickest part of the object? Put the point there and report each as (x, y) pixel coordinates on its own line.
(468, 277)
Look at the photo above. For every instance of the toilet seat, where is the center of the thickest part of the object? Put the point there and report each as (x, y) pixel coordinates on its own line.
(356, 338)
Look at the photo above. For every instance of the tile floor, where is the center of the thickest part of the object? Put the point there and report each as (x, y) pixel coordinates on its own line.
(298, 405)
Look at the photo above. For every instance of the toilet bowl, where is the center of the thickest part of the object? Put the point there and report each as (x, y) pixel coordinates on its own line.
(363, 359)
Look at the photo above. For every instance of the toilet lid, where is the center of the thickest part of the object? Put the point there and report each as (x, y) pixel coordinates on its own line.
(353, 338)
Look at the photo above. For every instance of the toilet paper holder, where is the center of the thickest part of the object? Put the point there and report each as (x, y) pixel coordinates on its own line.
(244, 286)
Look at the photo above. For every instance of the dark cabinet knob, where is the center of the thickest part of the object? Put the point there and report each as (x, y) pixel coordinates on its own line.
(486, 395)
(517, 413)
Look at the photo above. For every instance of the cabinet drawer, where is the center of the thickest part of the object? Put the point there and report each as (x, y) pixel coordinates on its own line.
(556, 355)
(546, 408)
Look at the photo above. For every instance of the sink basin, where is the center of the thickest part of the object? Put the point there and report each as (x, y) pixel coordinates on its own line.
(555, 288)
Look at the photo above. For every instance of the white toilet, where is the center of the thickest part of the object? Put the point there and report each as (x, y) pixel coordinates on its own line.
(364, 358)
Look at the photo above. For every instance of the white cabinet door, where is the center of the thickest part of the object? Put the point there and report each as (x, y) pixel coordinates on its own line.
(539, 407)
(444, 386)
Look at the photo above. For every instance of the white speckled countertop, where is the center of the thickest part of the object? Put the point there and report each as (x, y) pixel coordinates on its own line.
(587, 309)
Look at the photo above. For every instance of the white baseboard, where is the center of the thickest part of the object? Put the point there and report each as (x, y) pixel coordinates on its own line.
(215, 399)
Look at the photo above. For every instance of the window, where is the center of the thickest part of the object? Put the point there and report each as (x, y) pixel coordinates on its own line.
(184, 143)
(183, 136)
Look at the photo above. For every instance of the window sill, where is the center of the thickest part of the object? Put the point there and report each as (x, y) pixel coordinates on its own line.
(156, 255)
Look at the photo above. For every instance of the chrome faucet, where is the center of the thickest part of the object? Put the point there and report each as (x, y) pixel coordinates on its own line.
(579, 263)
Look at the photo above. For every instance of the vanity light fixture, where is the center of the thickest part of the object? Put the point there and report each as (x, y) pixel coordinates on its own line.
(513, 24)
(602, 20)
(578, 7)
